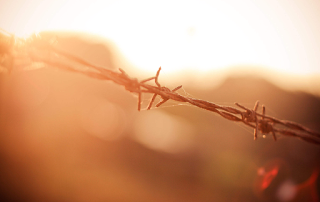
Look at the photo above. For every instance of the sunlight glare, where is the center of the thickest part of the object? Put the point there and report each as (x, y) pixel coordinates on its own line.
(184, 35)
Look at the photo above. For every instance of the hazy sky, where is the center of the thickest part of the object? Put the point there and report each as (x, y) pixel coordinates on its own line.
(202, 35)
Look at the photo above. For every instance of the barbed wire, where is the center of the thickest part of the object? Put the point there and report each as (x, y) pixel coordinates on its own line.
(38, 52)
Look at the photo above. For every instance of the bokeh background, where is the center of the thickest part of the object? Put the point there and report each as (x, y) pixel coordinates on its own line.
(67, 137)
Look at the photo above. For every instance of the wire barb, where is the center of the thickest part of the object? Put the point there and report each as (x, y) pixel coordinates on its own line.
(156, 78)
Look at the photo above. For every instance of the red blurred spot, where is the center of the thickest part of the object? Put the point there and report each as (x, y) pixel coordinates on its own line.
(307, 191)
(268, 177)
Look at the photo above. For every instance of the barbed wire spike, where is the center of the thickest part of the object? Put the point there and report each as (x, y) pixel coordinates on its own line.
(251, 116)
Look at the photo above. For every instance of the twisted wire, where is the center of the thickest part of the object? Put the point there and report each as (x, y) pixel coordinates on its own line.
(260, 122)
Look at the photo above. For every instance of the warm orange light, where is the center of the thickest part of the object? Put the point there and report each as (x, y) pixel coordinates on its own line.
(179, 35)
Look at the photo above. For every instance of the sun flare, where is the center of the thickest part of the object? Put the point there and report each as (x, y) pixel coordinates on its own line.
(178, 35)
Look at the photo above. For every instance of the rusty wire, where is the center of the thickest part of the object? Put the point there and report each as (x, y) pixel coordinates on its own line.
(260, 122)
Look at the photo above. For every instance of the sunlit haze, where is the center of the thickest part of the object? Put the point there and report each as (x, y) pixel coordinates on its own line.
(198, 36)
(233, 115)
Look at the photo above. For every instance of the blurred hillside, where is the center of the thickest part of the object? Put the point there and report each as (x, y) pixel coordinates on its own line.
(66, 137)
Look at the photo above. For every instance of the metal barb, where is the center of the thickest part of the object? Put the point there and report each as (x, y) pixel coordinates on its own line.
(151, 101)
(156, 78)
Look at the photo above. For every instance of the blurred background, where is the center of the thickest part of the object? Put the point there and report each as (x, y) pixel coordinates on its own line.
(67, 137)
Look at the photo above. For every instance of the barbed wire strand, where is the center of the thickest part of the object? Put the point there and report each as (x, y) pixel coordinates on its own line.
(260, 122)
